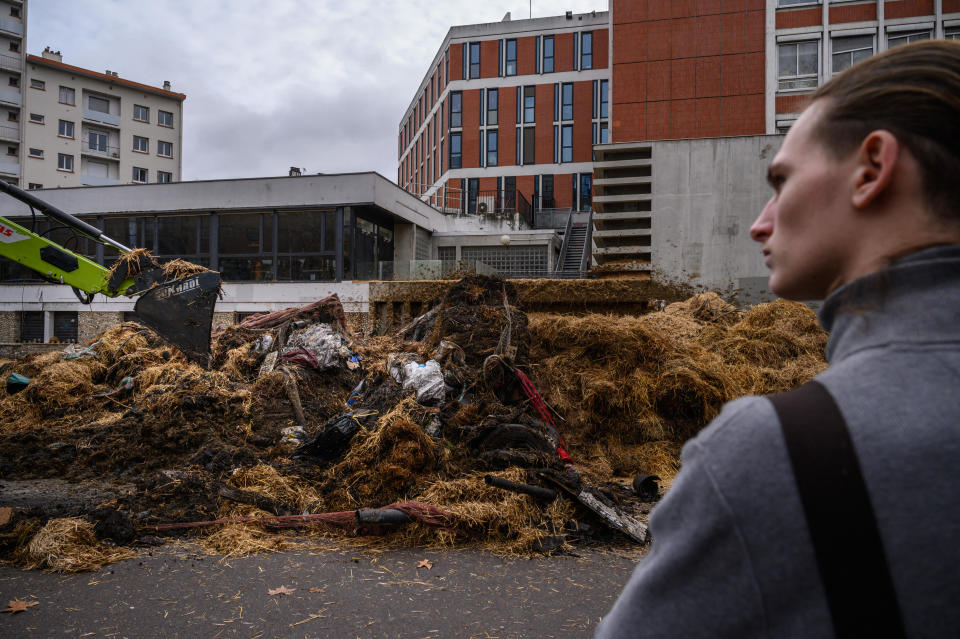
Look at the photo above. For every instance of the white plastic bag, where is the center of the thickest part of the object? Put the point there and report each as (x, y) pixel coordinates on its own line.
(427, 379)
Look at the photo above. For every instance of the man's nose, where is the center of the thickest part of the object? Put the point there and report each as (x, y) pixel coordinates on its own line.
(762, 227)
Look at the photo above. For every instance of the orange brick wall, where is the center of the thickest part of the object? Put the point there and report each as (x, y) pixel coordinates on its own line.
(687, 68)
(951, 6)
(791, 103)
(799, 18)
(563, 52)
(582, 125)
(543, 134)
(907, 9)
(456, 67)
(853, 13)
(471, 123)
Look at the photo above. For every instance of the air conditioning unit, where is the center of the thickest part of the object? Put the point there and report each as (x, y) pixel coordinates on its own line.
(486, 204)
(116, 154)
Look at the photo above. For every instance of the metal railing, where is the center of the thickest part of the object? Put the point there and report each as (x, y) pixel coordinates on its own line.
(587, 258)
(101, 150)
(551, 218)
(10, 62)
(566, 243)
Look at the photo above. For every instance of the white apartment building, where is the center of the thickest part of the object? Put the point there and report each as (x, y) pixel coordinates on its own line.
(13, 46)
(85, 128)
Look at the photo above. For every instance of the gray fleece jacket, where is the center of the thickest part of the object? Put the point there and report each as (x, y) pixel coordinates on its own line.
(732, 556)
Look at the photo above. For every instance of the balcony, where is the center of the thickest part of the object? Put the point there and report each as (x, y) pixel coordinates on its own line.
(101, 117)
(486, 203)
(96, 180)
(11, 26)
(9, 133)
(9, 166)
(100, 150)
(10, 95)
(10, 62)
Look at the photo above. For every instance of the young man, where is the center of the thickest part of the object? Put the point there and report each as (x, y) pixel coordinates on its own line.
(866, 215)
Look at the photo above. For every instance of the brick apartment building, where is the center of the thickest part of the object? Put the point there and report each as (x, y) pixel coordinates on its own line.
(560, 112)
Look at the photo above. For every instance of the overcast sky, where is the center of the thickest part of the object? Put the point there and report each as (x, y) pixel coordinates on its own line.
(319, 84)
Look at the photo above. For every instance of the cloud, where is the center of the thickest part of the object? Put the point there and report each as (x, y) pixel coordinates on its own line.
(320, 84)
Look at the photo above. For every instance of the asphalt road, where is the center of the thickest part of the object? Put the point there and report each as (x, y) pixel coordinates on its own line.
(174, 593)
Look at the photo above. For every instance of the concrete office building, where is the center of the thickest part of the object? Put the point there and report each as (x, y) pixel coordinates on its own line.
(83, 127)
(655, 71)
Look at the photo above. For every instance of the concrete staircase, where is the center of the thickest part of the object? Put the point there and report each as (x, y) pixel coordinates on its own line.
(622, 202)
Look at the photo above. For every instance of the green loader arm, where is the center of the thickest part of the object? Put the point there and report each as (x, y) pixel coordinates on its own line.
(178, 310)
(54, 262)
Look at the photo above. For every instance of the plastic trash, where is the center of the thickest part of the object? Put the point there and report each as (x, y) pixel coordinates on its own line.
(427, 379)
(324, 345)
(264, 342)
(292, 435)
(16, 383)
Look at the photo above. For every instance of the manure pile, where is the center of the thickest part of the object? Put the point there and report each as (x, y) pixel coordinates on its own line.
(299, 423)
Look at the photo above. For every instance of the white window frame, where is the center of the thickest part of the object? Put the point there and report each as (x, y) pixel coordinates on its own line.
(789, 4)
(65, 162)
(160, 122)
(35, 153)
(139, 108)
(61, 127)
(67, 92)
(908, 34)
(850, 52)
(38, 84)
(37, 118)
(799, 77)
(160, 147)
(164, 174)
(146, 175)
(141, 144)
(91, 98)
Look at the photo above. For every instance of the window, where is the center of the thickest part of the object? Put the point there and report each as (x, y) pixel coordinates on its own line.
(511, 65)
(566, 109)
(15, 12)
(790, 3)
(850, 50)
(141, 113)
(586, 50)
(13, 81)
(529, 103)
(36, 153)
(68, 96)
(604, 98)
(799, 63)
(65, 129)
(36, 118)
(11, 150)
(604, 133)
(95, 103)
(141, 144)
(456, 158)
(33, 186)
(906, 37)
(529, 145)
(566, 143)
(164, 177)
(548, 54)
(13, 116)
(456, 110)
(38, 84)
(64, 162)
(474, 60)
(65, 326)
(586, 183)
(139, 175)
(97, 141)
(952, 33)
(491, 106)
(491, 148)
(15, 47)
(165, 149)
(165, 118)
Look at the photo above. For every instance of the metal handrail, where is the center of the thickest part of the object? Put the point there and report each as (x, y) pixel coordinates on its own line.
(566, 242)
(587, 246)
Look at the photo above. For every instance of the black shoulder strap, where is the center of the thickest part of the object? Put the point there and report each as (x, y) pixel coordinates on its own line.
(846, 541)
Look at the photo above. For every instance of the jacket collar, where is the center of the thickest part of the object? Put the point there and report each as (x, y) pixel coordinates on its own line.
(915, 299)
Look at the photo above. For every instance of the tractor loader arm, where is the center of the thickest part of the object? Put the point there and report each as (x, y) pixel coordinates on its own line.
(180, 310)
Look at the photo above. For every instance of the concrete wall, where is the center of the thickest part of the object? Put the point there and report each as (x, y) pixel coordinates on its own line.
(706, 194)
(89, 325)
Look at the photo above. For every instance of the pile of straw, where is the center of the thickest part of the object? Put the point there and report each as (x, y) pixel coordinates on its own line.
(69, 545)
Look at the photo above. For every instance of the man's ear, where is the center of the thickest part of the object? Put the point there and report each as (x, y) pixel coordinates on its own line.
(877, 160)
